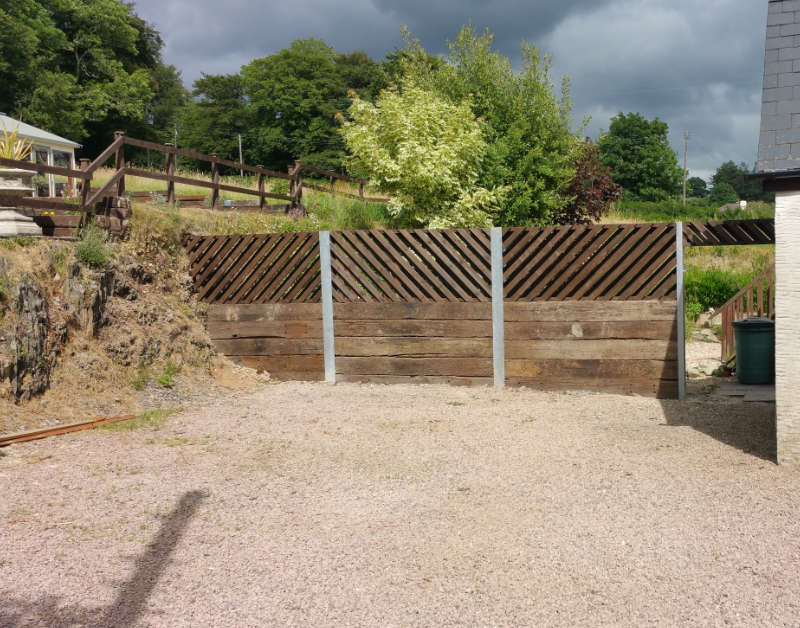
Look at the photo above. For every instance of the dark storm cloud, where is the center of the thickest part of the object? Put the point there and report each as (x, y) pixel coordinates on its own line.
(696, 65)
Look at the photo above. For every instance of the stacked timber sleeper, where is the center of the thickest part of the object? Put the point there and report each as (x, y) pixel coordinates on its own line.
(415, 306)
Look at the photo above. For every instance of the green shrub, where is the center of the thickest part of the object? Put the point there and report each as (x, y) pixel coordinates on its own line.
(695, 209)
(167, 378)
(692, 310)
(713, 287)
(92, 250)
(723, 193)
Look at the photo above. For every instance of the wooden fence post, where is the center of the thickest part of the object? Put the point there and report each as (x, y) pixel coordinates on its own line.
(680, 314)
(298, 171)
(498, 315)
(119, 162)
(214, 180)
(261, 198)
(361, 189)
(86, 185)
(170, 174)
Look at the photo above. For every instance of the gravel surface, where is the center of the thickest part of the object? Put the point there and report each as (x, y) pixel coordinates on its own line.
(312, 504)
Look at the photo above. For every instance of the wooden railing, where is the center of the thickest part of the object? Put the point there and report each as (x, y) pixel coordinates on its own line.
(756, 299)
(115, 186)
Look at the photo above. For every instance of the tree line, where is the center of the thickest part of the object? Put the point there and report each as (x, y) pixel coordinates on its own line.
(455, 139)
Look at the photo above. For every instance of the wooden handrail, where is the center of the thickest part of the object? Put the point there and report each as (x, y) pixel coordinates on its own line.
(105, 155)
(160, 176)
(372, 199)
(118, 175)
(164, 148)
(743, 304)
(42, 168)
(327, 173)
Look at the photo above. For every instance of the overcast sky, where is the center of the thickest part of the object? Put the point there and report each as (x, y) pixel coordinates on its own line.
(696, 64)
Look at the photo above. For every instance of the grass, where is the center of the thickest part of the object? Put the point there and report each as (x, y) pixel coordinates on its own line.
(158, 225)
(167, 378)
(92, 250)
(21, 241)
(673, 210)
(151, 419)
(60, 261)
(142, 377)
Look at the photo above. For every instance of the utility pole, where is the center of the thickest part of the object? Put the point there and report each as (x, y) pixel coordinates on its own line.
(685, 155)
(241, 161)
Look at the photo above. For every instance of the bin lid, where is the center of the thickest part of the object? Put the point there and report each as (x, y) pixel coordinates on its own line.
(755, 323)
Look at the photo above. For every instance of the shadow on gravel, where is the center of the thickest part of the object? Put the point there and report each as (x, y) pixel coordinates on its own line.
(749, 427)
(127, 607)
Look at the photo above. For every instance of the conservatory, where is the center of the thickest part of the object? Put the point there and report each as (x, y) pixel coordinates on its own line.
(46, 148)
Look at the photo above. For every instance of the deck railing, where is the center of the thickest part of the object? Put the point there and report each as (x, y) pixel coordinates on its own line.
(756, 299)
(115, 185)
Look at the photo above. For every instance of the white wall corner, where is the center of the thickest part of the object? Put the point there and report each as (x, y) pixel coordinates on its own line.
(787, 326)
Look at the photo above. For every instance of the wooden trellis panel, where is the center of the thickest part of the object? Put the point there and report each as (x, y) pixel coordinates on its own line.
(256, 268)
(729, 232)
(597, 262)
(411, 266)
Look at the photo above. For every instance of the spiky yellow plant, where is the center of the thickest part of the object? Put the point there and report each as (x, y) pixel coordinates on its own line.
(12, 147)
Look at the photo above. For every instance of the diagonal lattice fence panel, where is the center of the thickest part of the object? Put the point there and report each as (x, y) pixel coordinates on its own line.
(596, 262)
(411, 266)
(267, 268)
(729, 232)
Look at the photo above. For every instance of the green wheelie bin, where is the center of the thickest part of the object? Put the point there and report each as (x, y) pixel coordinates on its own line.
(755, 350)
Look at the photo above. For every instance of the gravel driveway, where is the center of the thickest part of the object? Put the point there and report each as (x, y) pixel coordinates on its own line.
(312, 504)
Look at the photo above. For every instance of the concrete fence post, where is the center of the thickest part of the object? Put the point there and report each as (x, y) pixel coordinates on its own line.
(681, 311)
(498, 333)
(327, 306)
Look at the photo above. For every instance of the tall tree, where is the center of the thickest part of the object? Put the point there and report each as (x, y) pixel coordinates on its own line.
(697, 187)
(294, 96)
(640, 158)
(736, 176)
(217, 115)
(84, 68)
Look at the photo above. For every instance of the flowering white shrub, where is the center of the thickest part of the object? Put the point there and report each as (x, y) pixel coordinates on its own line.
(425, 153)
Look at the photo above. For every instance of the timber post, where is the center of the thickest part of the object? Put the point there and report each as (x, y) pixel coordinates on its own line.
(214, 180)
(171, 175)
(261, 198)
(119, 162)
(86, 184)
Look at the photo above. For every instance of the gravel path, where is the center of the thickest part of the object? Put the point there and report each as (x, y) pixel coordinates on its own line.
(312, 504)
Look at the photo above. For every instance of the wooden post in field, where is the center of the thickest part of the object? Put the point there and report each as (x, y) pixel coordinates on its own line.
(361, 189)
(298, 171)
(261, 199)
(119, 162)
(170, 174)
(215, 181)
(86, 186)
(331, 179)
(241, 161)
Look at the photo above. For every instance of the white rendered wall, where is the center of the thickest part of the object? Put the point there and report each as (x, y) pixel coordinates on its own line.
(787, 326)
